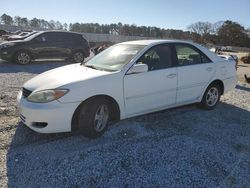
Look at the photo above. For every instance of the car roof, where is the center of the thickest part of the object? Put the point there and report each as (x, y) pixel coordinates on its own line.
(59, 31)
(154, 42)
(210, 54)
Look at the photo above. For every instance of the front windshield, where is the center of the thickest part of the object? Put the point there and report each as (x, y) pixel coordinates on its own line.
(115, 57)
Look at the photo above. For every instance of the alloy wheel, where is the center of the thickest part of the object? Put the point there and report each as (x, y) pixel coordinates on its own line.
(101, 118)
(212, 96)
(23, 58)
(78, 57)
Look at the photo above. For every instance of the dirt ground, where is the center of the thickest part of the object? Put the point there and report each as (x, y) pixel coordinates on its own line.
(243, 69)
(181, 147)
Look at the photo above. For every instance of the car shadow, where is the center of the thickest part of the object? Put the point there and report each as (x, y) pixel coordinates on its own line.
(35, 67)
(243, 88)
(31, 155)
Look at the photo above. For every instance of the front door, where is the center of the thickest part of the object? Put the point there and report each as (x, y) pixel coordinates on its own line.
(48, 45)
(155, 89)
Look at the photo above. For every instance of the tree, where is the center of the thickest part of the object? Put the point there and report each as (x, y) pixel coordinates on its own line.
(6, 19)
(24, 22)
(44, 24)
(52, 24)
(201, 28)
(65, 26)
(34, 22)
(216, 26)
(248, 32)
(233, 34)
(114, 30)
(17, 20)
(74, 27)
(58, 25)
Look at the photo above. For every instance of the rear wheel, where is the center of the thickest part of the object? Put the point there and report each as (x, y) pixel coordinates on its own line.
(93, 117)
(211, 97)
(22, 57)
(78, 57)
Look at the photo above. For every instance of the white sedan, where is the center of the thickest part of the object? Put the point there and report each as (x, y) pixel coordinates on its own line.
(125, 80)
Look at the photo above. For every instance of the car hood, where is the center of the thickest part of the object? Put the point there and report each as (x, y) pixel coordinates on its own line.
(59, 77)
(12, 42)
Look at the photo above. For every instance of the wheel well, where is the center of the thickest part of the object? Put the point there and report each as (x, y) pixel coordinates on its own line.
(219, 83)
(22, 50)
(115, 110)
(78, 50)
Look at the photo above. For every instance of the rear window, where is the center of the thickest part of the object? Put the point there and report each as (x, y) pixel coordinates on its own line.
(73, 37)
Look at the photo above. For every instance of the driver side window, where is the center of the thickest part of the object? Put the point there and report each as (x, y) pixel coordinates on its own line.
(158, 57)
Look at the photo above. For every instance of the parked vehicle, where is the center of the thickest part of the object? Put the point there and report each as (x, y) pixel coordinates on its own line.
(7, 35)
(21, 31)
(21, 36)
(227, 57)
(125, 80)
(46, 45)
(3, 32)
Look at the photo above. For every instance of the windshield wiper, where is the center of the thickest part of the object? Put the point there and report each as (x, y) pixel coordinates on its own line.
(91, 66)
(99, 68)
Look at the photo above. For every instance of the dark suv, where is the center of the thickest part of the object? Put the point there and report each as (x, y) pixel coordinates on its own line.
(46, 45)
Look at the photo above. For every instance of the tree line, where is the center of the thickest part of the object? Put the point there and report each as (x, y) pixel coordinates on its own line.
(33, 23)
(227, 33)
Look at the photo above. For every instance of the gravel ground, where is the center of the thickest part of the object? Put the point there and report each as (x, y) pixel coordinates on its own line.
(181, 147)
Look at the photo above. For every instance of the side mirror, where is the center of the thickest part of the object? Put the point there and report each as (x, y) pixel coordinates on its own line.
(138, 68)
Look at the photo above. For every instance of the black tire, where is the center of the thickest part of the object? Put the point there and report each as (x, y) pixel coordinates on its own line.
(77, 57)
(22, 57)
(87, 118)
(211, 97)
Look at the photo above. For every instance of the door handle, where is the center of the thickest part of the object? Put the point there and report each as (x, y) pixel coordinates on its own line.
(171, 75)
(209, 69)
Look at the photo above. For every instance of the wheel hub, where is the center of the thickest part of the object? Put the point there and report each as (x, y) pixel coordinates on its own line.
(101, 118)
(212, 96)
(23, 58)
(78, 57)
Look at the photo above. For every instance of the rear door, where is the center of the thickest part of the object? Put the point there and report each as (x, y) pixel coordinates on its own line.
(195, 70)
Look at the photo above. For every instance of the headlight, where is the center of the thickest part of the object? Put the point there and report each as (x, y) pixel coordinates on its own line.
(46, 96)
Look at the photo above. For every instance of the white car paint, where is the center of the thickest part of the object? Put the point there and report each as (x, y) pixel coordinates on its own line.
(140, 98)
(135, 94)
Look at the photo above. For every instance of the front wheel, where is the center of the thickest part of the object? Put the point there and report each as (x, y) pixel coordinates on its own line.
(211, 97)
(94, 117)
(22, 57)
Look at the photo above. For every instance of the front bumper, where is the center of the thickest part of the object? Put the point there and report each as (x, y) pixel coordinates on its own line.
(56, 115)
(5, 55)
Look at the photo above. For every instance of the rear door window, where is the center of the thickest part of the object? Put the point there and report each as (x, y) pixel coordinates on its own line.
(189, 55)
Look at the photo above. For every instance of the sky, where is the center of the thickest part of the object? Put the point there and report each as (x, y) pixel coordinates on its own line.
(168, 14)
